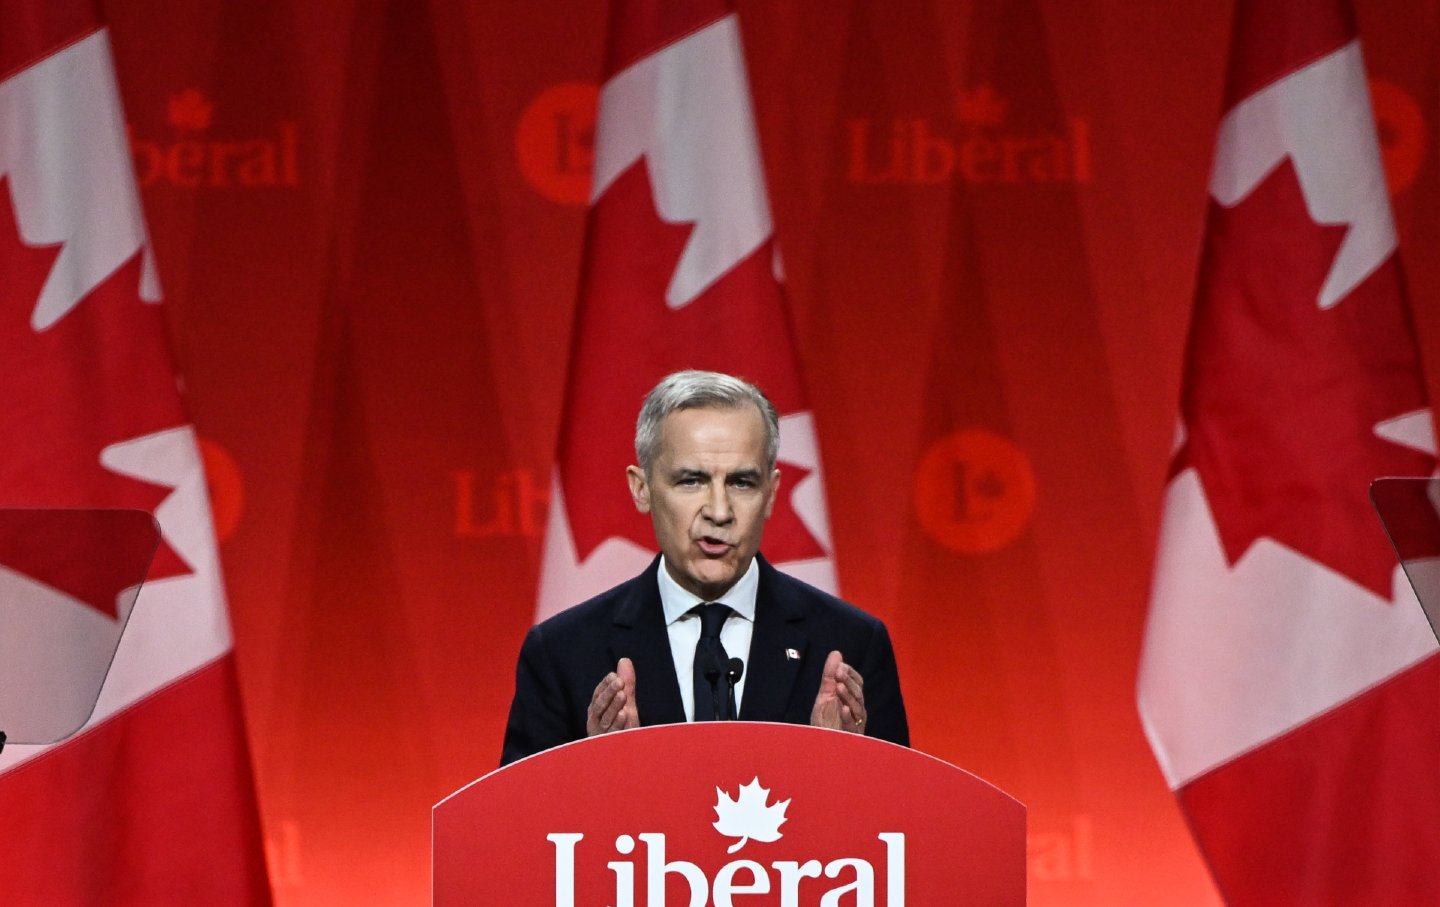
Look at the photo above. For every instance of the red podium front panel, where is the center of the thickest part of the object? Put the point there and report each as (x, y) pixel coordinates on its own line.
(734, 814)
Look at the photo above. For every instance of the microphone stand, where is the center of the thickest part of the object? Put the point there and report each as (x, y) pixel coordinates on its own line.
(710, 667)
(734, 670)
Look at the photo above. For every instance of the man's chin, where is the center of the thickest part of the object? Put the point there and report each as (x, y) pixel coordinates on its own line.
(711, 584)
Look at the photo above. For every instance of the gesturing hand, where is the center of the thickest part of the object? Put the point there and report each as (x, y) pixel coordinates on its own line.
(840, 704)
(612, 707)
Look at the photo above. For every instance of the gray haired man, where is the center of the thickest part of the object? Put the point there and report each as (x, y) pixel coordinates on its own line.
(709, 626)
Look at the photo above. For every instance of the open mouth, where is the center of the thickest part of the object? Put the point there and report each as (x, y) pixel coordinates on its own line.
(712, 546)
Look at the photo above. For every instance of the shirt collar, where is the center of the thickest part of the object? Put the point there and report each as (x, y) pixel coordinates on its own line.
(677, 601)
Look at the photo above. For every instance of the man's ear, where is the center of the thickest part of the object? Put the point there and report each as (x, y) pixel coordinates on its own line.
(639, 488)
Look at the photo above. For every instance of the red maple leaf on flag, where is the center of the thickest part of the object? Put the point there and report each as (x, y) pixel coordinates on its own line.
(1282, 398)
(628, 339)
(99, 376)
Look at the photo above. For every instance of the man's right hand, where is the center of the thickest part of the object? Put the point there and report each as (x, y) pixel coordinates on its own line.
(612, 708)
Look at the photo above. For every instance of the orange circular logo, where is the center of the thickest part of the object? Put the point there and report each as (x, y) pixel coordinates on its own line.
(974, 491)
(555, 142)
(1402, 133)
(227, 490)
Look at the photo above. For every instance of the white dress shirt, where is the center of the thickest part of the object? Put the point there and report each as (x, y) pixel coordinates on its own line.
(684, 628)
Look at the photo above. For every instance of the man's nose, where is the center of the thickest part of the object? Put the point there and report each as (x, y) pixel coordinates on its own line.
(717, 508)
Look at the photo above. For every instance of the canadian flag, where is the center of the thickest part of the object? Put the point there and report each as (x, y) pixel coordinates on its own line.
(1288, 682)
(152, 802)
(680, 271)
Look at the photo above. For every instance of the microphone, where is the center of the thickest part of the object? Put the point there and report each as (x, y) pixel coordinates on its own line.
(734, 670)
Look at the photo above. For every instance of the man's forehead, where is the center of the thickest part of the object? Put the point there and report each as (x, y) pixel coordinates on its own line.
(707, 432)
(702, 466)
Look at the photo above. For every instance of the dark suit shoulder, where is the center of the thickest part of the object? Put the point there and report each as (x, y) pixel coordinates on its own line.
(561, 660)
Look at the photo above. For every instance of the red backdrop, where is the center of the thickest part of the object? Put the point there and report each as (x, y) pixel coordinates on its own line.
(368, 219)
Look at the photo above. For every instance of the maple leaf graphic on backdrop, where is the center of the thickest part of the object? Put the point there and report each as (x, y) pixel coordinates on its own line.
(1282, 398)
(748, 815)
(98, 376)
(628, 338)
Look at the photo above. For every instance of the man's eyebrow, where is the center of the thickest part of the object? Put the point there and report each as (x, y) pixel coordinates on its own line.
(748, 473)
(688, 472)
(680, 473)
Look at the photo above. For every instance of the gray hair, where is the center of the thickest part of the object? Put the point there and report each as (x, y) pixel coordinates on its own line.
(701, 390)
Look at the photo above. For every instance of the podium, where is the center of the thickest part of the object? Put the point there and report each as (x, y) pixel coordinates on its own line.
(733, 814)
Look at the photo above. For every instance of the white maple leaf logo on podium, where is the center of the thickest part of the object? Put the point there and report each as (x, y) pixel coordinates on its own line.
(748, 815)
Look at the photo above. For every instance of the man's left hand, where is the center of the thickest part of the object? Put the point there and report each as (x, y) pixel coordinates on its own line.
(841, 702)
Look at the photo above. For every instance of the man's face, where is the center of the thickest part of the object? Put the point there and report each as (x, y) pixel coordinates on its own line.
(708, 494)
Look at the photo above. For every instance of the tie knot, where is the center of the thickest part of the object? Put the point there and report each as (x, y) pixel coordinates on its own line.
(712, 618)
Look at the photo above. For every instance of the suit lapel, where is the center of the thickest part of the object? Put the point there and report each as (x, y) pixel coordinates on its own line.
(777, 648)
(638, 633)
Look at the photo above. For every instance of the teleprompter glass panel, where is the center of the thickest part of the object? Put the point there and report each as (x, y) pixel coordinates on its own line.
(1410, 510)
(68, 583)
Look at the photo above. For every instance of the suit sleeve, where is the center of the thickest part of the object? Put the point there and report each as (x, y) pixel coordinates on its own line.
(539, 718)
(884, 706)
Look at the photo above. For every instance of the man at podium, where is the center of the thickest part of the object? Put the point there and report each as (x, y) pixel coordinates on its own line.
(709, 630)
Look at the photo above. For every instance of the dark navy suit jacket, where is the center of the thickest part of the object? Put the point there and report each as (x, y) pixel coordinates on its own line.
(564, 658)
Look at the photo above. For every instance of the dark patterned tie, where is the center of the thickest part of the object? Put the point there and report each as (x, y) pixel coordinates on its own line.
(712, 694)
